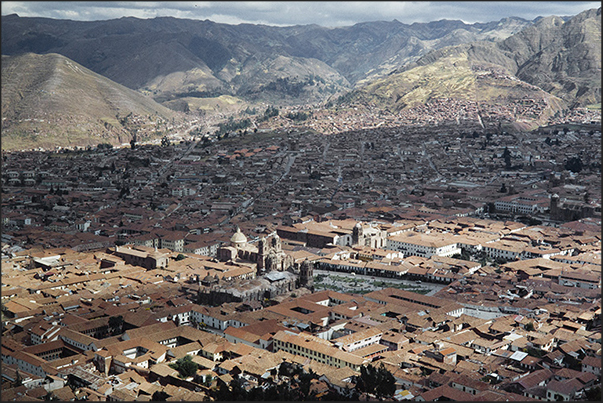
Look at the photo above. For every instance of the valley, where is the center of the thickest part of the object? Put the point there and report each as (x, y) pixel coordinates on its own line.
(202, 211)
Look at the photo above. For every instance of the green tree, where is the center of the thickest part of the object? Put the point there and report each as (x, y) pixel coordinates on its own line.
(237, 391)
(104, 146)
(574, 164)
(270, 112)
(594, 394)
(185, 366)
(305, 381)
(378, 381)
(507, 157)
(180, 257)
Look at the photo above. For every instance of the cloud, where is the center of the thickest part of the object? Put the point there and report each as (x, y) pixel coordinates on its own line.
(282, 13)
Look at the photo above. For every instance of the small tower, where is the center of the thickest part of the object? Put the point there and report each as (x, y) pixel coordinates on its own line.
(262, 253)
(276, 243)
(358, 235)
(554, 206)
(306, 274)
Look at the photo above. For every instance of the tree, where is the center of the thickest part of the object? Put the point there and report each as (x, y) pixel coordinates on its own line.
(180, 257)
(594, 394)
(305, 381)
(237, 391)
(116, 324)
(574, 164)
(378, 381)
(185, 366)
(507, 157)
(270, 112)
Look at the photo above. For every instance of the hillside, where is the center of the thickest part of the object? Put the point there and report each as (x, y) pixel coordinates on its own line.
(60, 77)
(49, 100)
(554, 60)
(563, 58)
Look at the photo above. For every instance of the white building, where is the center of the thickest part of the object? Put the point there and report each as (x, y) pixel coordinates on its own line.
(424, 245)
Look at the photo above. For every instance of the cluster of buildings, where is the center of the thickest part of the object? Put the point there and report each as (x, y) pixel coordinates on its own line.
(191, 195)
(453, 112)
(117, 263)
(106, 324)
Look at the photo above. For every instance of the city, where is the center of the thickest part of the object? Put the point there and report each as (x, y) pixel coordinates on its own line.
(466, 263)
(301, 201)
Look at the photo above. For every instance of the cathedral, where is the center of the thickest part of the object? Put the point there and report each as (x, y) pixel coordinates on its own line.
(369, 235)
(276, 272)
(267, 255)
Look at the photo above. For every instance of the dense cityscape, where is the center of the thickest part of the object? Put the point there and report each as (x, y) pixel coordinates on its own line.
(445, 262)
(301, 201)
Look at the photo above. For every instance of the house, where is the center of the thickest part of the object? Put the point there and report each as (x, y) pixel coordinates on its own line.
(425, 245)
(468, 384)
(536, 378)
(565, 390)
(139, 352)
(592, 365)
(142, 256)
(359, 339)
(445, 392)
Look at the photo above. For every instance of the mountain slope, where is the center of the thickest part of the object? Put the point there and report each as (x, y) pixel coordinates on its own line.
(563, 58)
(553, 60)
(49, 100)
(169, 58)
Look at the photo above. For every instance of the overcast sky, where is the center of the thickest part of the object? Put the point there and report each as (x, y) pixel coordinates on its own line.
(282, 13)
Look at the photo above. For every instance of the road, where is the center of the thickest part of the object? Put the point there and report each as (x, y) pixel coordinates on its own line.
(439, 176)
(292, 155)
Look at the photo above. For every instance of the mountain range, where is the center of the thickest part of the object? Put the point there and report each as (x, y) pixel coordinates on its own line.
(181, 63)
(553, 56)
(168, 58)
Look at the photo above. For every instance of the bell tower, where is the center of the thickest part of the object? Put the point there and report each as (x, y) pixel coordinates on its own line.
(306, 274)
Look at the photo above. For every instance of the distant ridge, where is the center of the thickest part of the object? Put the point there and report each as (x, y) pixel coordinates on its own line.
(169, 58)
(205, 69)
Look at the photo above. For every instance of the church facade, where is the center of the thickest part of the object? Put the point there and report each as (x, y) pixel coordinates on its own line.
(276, 272)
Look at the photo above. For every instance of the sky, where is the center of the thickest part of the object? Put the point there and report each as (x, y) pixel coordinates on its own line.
(286, 13)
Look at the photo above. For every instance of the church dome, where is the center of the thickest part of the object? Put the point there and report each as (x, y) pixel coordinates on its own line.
(238, 238)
